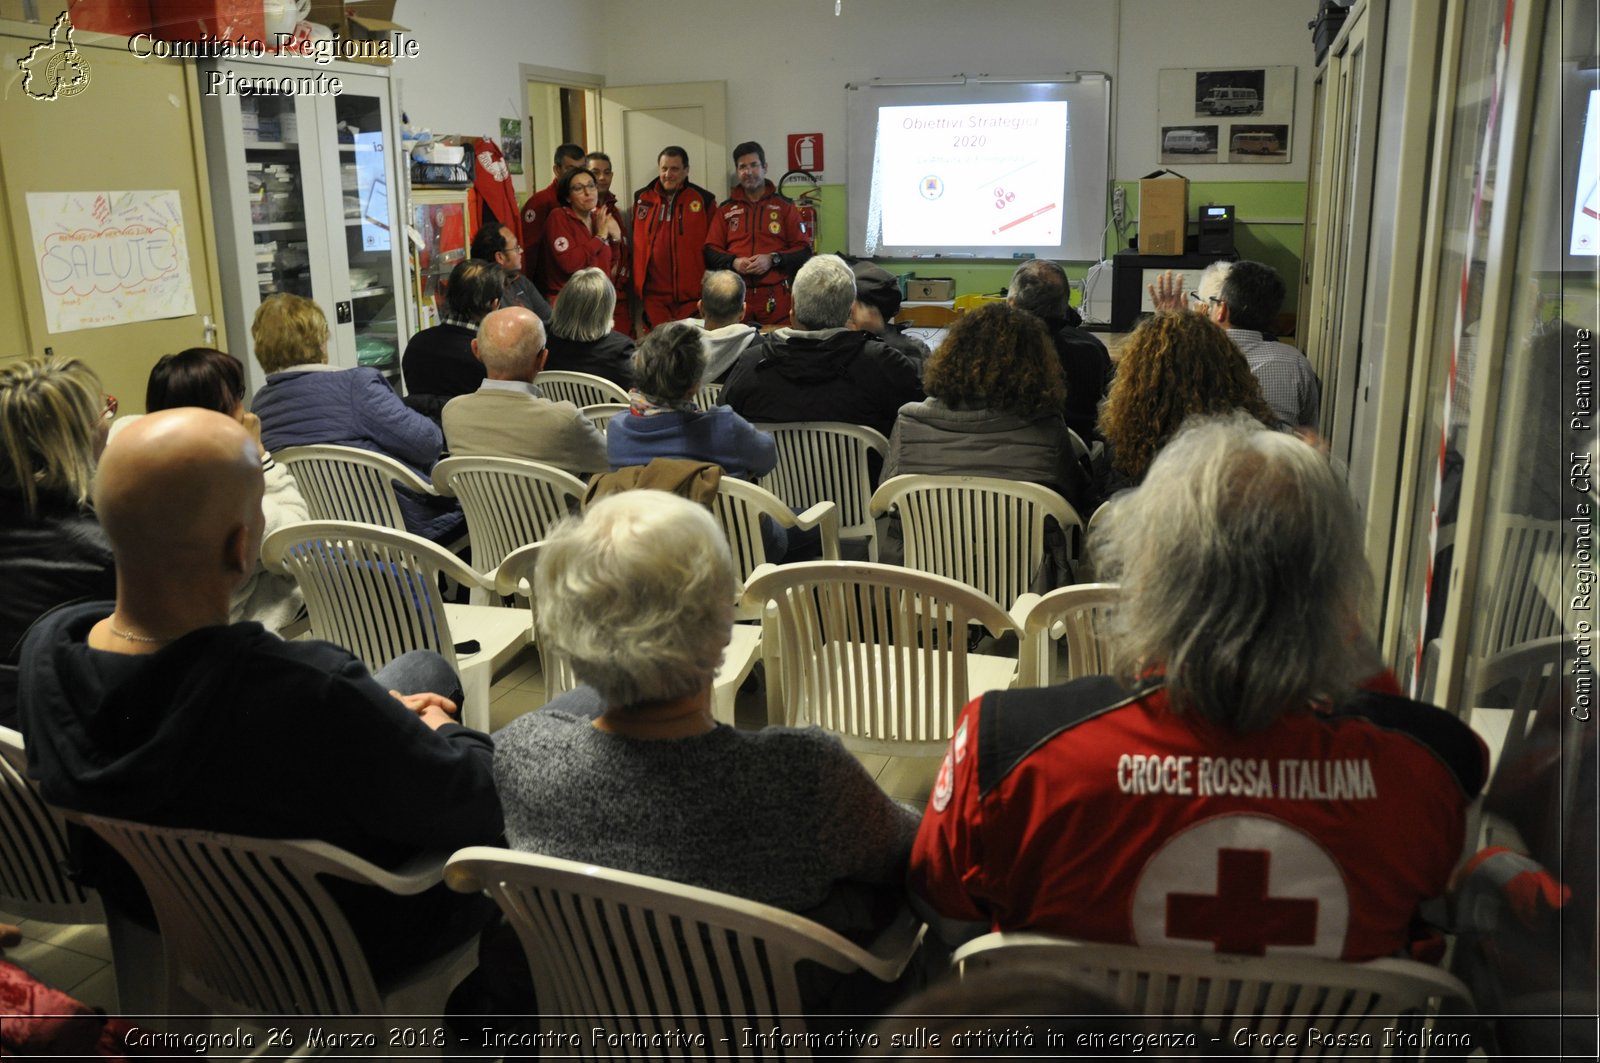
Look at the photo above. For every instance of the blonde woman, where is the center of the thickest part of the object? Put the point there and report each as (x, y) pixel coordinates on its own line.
(53, 418)
(581, 337)
(307, 401)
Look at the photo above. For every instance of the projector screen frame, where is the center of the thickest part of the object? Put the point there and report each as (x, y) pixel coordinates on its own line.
(1088, 159)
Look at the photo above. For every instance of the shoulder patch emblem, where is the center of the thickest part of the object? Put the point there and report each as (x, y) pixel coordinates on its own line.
(944, 786)
(774, 227)
(642, 211)
(695, 206)
(561, 244)
(530, 215)
(958, 744)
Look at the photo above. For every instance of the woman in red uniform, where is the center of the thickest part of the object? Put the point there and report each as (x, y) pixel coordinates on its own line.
(576, 234)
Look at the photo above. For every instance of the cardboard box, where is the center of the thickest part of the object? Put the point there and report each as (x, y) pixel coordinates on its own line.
(1163, 213)
(360, 20)
(930, 289)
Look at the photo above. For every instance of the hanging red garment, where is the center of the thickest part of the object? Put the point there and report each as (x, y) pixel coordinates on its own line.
(492, 180)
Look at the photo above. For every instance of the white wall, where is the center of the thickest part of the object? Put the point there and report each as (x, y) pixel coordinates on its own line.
(1216, 33)
(467, 76)
(786, 62)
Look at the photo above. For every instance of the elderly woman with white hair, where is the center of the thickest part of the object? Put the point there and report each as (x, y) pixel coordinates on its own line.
(581, 337)
(1250, 778)
(631, 771)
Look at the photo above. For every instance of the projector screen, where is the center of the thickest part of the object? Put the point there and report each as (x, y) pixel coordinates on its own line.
(979, 168)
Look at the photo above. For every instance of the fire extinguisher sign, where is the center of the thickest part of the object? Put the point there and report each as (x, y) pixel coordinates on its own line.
(805, 152)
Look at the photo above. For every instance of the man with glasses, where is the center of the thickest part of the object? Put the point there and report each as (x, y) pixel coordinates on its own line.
(757, 234)
(498, 244)
(1244, 298)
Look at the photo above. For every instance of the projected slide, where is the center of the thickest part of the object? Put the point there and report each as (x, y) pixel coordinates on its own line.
(984, 175)
(1586, 208)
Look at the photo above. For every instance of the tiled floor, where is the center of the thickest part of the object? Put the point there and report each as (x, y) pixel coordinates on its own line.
(74, 958)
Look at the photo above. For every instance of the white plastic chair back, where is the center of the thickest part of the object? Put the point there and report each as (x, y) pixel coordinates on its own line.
(1223, 994)
(508, 502)
(1525, 600)
(828, 461)
(249, 928)
(631, 954)
(1076, 615)
(739, 507)
(580, 389)
(350, 484)
(33, 848)
(600, 413)
(709, 397)
(515, 577)
(1520, 681)
(374, 591)
(985, 532)
(877, 654)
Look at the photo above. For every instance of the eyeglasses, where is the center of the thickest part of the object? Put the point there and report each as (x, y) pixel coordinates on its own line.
(1196, 297)
(513, 249)
(590, 187)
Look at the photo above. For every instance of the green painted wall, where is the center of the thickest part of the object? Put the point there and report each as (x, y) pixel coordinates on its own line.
(1270, 229)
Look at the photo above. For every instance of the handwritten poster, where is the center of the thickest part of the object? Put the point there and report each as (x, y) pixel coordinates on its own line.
(110, 258)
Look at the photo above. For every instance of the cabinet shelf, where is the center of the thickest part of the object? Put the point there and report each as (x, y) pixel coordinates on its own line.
(276, 226)
(366, 293)
(271, 145)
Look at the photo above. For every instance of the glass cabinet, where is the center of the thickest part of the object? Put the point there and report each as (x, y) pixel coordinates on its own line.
(307, 195)
(443, 221)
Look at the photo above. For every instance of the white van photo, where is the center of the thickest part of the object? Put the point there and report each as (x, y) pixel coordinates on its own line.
(1256, 144)
(1226, 99)
(1186, 141)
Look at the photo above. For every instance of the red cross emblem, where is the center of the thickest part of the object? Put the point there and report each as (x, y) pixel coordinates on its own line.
(1240, 917)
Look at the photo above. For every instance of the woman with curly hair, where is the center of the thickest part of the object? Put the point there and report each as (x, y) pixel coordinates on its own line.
(1172, 366)
(994, 409)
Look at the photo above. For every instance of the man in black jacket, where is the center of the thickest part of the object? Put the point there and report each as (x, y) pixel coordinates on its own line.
(1039, 286)
(156, 709)
(820, 370)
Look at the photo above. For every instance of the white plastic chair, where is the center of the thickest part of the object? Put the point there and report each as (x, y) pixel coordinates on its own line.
(34, 884)
(580, 389)
(709, 397)
(515, 576)
(985, 532)
(739, 507)
(1075, 614)
(351, 484)
(250, 930)
(828, 461)
(877, 654)
(1524, 600)
(509, 503)
(375, 591)
(1223, 994)
(632, 954)
(600, 413)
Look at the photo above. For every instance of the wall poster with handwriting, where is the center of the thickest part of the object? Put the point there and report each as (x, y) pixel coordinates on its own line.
(110, 258)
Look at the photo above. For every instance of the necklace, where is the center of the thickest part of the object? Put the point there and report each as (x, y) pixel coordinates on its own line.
(131, 637)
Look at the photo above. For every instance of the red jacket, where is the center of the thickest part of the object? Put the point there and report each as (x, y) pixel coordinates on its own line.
(534, 212)
(768, 226)
(673, 234)
(1091, 812)
(568, 247)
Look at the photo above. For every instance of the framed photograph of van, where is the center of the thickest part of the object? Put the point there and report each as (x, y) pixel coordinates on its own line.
(1189, 143)
(1228, 115)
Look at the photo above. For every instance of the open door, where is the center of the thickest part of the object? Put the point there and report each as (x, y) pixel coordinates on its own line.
(637, 121)
(144, 115)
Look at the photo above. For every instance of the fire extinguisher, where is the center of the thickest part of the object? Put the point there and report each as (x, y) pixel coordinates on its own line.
(808, 202)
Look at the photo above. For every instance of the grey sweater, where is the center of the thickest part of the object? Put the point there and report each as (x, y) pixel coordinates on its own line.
(782, 816)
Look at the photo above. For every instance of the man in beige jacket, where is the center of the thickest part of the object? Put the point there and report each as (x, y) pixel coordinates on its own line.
(507, 417)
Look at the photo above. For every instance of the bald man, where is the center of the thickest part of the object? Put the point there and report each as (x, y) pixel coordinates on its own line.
(507, 417)
(154, 708)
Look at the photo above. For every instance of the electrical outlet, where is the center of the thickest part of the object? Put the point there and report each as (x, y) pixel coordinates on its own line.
(1119, 204)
